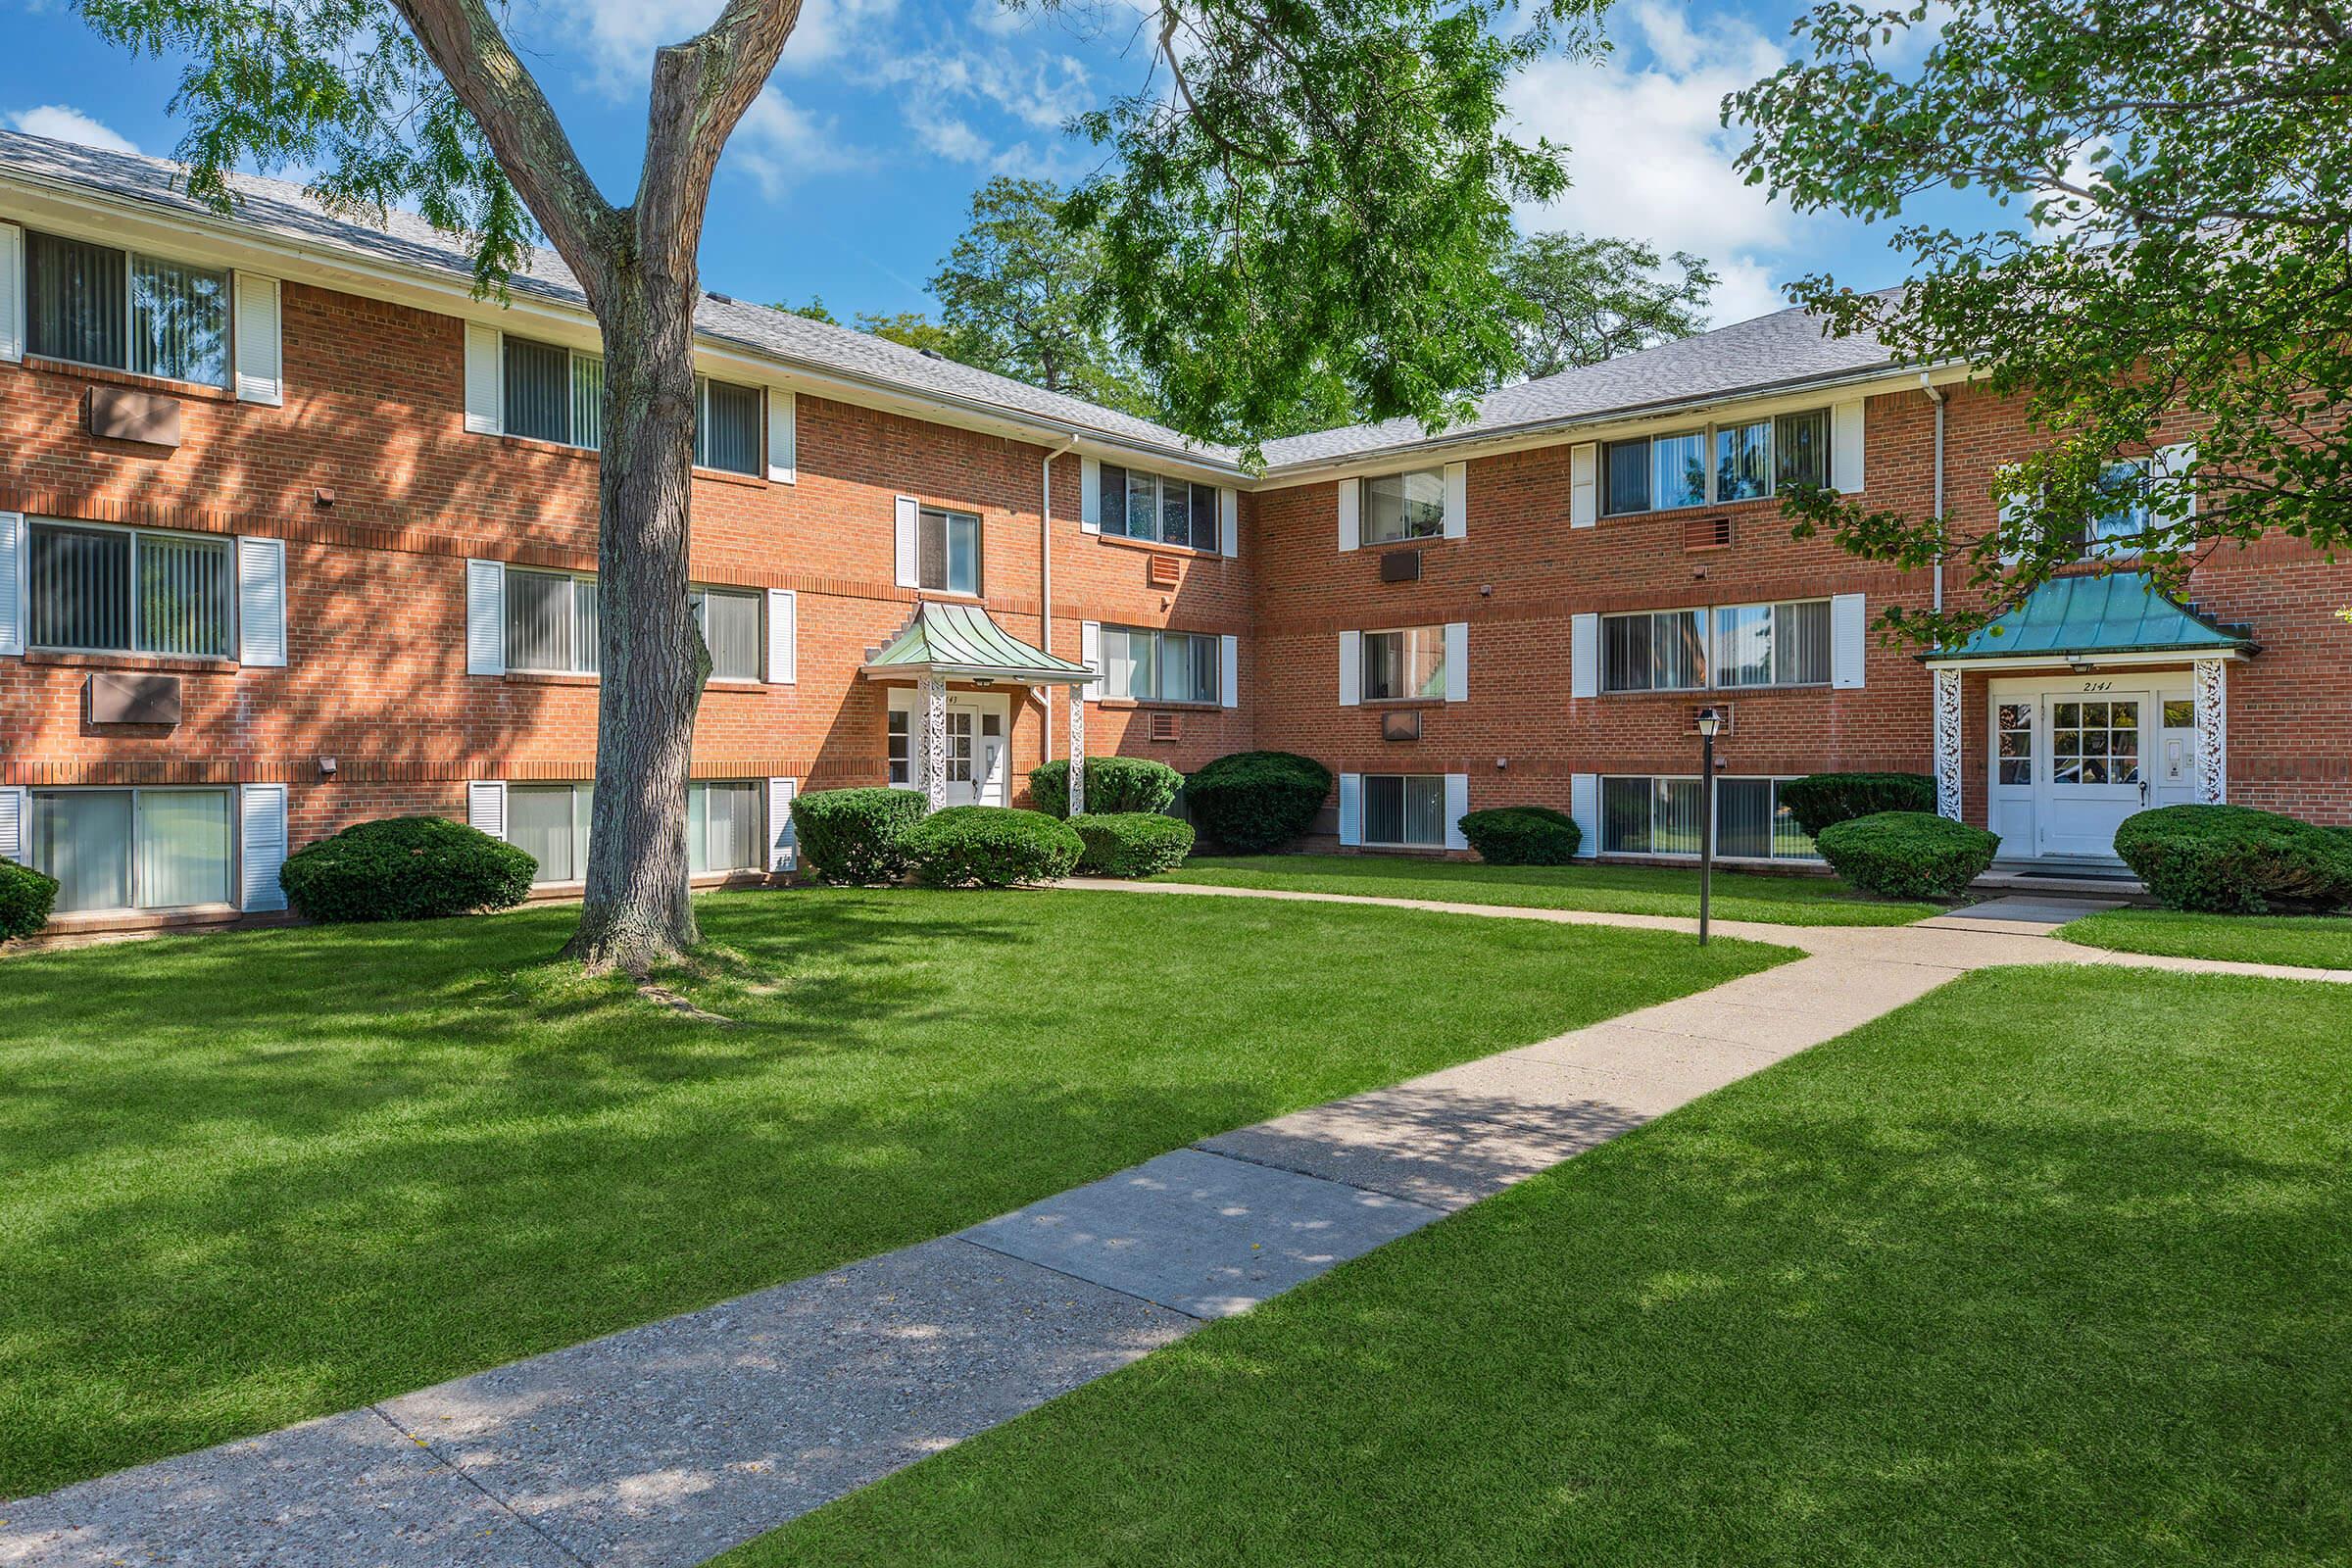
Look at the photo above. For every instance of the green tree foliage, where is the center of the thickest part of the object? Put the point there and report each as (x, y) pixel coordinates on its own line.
(2186, 171)
(1593, 299)
(911, 328)
(815, 310)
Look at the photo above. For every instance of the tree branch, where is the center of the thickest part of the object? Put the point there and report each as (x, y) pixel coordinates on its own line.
(701, 88)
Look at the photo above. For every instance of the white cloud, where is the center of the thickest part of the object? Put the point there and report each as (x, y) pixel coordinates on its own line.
(778, 143)
(622, 35)
(63, 123)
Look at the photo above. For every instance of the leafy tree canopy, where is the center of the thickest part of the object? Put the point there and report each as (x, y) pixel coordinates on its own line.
(1591, 299)
(912, 328)
(815, 310)
(2186, 174)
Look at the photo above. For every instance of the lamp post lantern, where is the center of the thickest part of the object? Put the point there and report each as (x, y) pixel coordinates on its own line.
(1709, 721)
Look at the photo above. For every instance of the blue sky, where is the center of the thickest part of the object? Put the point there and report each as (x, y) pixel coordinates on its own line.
(851, 177)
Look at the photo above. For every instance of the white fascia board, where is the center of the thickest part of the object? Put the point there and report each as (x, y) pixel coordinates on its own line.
(2128, 660)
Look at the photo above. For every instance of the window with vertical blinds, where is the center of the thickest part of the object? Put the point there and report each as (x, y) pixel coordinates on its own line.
(120, 590)
(730, 623)
(549, 823)
(158, 849)
(1165, 511)
(1405, 808)
(551, 622)
(106, 306)
(726, 426)
(1662, 815)
(552, 393)
(722, 826)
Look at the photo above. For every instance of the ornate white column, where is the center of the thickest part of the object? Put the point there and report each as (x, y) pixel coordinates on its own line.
(1077, 750)
(2213, 730)
(1949, 777)
(932, 692)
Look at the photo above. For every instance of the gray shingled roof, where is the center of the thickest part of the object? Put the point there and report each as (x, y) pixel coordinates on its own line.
(275, 207)
(1772, 351)
(1788, 346)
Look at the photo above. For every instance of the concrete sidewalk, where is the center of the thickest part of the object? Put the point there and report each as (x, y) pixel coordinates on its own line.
(669, 1442)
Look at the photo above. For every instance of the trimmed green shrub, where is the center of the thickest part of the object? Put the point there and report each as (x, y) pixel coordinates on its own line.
(27, 897)
(2232, 860)
(1130, 843)
(1821, 799)
(1907, 855)
(855, 836)
(1523, 835)
(406, 868)
(1114, 786)
(1256, 801)
(991, 847)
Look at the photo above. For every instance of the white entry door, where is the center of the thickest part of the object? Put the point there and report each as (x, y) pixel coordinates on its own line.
(2095, 775)
(976, 752)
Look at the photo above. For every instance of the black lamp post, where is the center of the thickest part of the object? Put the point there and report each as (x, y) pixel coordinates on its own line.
(1709, 721)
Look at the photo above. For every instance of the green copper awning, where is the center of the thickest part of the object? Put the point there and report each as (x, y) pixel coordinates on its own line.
(2091, 617)
(962, 643)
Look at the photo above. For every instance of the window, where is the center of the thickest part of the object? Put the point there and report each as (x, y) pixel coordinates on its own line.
(2179, 712)
(1772, 645)
(730, 623)
(1166, 667)
(2118, 530)
(1405, 810)
(1407, 662)
(133, 848)
(948, 552)
(2094, 743)
(553, 394)
(123, 590)
(1662, 815)
(722, 826)
(901, 745)
(98, 305)
(1661, 651)
(1150, 505)
(2013, 723)
(549, 823)
(726, 426)
(1664, 472)
(1404, 505)
(551, 622)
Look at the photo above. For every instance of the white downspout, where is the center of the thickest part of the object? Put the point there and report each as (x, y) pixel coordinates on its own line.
(1045, 596)
(1935, 395)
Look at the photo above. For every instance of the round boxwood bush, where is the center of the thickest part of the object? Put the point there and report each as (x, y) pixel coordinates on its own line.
(27, 897)
(1523, 835)
(406, 868)
(1256, 801)
(1907, 855)
(855, 836)
(2233, 860)
(1130, 843)
(991, 847)
(1113, 785)
(1822, 800)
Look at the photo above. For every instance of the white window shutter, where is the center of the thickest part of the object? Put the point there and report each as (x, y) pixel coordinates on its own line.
(2172, 501)
(1090, 653)
(1457, 807)
(485, 617)
(1457, 661)
(1350, 495)
(12, 292)
(14, 808)
(1583, 809)
(486, 806)
(1228, 669)
(485, 380)
(1457, 500)
(1849, 640)
(261, 355)
(1584, 484)
(783, 844)
(783, 636)
(1351, 808)
(1584, 655)
(14, 610)
(1845, 445)
(783, 436)
(1351, 668)
(1229, 521)
(907, 547)
(261, 845)
(1090, 495)
(262, 602)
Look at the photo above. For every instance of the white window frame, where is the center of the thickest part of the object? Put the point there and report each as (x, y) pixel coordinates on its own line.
(1159, 636)
(949, 516)
(758, 598)
(896, 772)
(1440, 673)
(571, 392)
(227, 655)
(236, 844)
(582, 790)
(701, 412)
(1370, 538)
(1364, 806)
(506, 621)
(762, 834)
(1649, 781)
(1159, 488)
(1711, 648)
(1711, 445)
(129, 254)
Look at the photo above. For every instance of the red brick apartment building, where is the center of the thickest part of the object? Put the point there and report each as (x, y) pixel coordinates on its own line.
(294, 532)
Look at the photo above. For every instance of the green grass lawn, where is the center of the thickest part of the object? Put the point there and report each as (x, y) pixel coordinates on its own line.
(2316, 942)
(1610, 888)
(250, 1178)
(2017, 1275)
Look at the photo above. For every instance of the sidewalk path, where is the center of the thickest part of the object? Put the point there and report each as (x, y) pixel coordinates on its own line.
(666, 1445)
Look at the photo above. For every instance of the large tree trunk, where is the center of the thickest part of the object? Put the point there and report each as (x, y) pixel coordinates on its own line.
(652, 660)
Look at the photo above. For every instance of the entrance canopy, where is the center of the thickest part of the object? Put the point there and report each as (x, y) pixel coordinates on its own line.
(961, 642)
(2120, 618)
